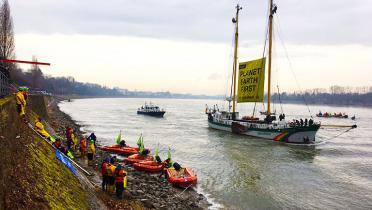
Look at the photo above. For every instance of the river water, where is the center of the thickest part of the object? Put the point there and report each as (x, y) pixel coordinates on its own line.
(240, 172)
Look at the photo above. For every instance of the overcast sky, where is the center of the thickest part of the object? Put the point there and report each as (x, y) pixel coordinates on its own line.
(185, 45)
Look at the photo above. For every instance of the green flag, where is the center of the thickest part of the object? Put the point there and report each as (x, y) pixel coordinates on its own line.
(169, 156)
(142, 147)
(118, 138)
(139, 140)
(157, 150)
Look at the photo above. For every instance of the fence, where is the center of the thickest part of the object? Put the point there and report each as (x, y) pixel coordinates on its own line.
(4, 85)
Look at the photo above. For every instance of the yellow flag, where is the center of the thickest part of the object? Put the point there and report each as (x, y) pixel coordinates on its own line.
(251, 81)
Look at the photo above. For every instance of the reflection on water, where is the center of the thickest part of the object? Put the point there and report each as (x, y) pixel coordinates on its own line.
(239, 172)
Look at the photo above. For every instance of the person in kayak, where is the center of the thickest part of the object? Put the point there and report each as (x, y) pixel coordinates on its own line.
(122, 143)
(179, 171)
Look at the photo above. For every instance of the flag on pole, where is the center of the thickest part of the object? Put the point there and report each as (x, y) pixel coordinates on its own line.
(118, 138)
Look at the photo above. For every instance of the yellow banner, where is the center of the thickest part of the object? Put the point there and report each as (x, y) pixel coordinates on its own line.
(251, 81)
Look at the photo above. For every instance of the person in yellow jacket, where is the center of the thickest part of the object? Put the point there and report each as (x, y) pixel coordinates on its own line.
(91, 152)
(111, 176)
(21, 102)
(40, 129)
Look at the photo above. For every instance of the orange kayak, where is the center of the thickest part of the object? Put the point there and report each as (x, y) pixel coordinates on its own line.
(185, 177)
(120, 150)
(149, 166)
(136, 158)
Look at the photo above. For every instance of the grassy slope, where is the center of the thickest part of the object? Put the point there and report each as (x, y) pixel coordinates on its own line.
(30, 175)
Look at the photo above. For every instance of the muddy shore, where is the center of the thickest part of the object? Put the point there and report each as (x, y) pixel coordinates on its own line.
(145, 190)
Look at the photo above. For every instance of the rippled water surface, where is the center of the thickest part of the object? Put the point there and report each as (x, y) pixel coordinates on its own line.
(239, 172)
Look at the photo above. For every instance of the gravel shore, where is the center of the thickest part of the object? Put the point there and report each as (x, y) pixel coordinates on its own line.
(145, 190)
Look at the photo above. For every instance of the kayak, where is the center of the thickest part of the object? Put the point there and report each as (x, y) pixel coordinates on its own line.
(121, 150)
(332, 116)
(185, 177)
(136, 158)
(149, 166)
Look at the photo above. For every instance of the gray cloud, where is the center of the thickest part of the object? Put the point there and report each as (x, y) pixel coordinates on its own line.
(301, 22)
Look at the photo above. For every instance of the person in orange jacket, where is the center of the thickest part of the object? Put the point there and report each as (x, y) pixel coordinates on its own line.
(104, 166)
(83, 146)
(120, 181)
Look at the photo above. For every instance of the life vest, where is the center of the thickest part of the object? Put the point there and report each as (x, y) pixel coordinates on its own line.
(57, 144)
(104, 168)
(70, 155)
(83, 144)
(20, 98)
(110, 170)
(119, 176)
(91, 148)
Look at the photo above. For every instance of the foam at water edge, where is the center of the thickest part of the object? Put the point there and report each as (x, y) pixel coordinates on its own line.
(214, 205)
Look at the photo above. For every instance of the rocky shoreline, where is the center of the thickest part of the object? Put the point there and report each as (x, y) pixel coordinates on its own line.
(145, 190)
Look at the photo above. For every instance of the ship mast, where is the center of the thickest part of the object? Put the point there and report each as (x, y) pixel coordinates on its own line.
(235, 21)
(273, 9)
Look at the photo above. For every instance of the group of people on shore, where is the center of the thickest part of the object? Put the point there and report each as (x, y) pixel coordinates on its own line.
(114, 178)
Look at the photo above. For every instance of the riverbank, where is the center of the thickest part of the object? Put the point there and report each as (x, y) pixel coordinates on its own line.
(144, 190)
(31, 177)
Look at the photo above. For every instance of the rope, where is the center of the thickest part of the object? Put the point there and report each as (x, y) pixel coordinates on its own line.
(291, 66)
(340, 134)
(324, 141)
(177, 195)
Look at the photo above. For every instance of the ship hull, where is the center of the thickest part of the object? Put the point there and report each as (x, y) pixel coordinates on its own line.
(153, 114)
(298, 135)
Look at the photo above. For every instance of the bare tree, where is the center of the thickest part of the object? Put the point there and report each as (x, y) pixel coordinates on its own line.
(6, 37)
(36, 74)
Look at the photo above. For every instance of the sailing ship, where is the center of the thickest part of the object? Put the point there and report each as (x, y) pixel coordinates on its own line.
(251, 89)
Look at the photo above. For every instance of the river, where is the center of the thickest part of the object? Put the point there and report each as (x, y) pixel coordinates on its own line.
(240, 172)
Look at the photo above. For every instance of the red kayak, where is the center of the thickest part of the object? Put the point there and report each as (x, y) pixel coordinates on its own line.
(121, 150)
(136, 158)
(185, 177)
(149, 166)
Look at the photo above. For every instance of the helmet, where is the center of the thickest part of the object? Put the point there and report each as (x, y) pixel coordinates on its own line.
(91, 141)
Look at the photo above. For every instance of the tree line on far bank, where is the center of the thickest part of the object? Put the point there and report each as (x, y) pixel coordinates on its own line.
(340, 98)
(37, 81)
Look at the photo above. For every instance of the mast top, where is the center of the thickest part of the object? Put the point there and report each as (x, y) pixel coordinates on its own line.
(238, 8)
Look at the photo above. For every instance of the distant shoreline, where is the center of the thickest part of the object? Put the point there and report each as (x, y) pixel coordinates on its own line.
(207, 98)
